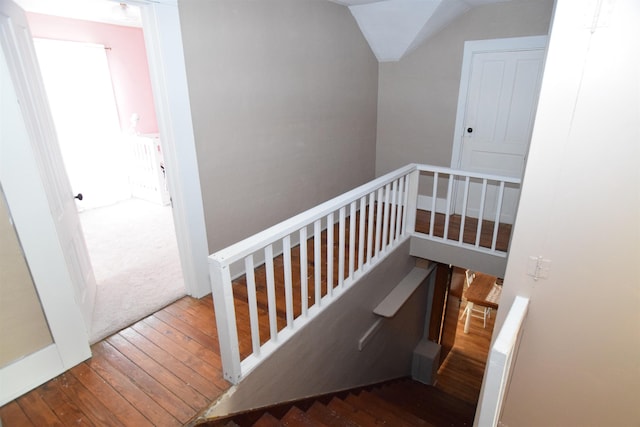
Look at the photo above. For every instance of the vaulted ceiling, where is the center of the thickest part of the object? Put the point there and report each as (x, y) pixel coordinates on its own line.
(395, 27)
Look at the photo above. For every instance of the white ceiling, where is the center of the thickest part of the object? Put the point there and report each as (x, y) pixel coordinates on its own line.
(107, 11)
(395, 27)
(392, 27)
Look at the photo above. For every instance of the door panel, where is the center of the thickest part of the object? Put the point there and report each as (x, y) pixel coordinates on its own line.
(501, 100)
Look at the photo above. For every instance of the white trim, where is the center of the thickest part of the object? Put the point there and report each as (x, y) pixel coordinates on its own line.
(32, 216)
(161, 26)
(480, 46)
(424, 203)
(501, 360)
(29, 372)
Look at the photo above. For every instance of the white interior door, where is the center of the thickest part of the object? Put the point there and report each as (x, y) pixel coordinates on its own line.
(28, 175)
(25, 74)
(78, 83)
(495, 122)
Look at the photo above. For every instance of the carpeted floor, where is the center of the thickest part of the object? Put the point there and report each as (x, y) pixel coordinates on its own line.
(134, 254)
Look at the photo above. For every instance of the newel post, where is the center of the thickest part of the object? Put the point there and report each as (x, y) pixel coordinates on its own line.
(412, 200)
(222, 294)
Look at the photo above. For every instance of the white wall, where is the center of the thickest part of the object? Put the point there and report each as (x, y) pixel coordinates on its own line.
(284, 97)
(578, 364)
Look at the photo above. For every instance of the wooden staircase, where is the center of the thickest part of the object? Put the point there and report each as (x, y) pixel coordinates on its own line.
(399, 403)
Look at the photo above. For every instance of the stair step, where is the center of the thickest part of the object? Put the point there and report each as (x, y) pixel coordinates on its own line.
(428, 403)
(267, 420)
(296, 418)
(406, 417)
(326, 415)
(379, 413)
(349, 412)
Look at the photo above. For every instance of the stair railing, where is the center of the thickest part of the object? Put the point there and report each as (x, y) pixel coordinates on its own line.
(479, 202)
(358, 229)
(373, 217)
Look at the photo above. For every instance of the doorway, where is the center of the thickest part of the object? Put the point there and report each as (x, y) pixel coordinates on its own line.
(499, 88)
(129, 233)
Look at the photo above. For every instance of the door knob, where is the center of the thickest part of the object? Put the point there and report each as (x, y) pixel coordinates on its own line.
(469, 130)
(78, 196)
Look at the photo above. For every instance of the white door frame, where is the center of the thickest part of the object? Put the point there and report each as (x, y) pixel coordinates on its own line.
(161, 26)
(483, 46)
(30, 209)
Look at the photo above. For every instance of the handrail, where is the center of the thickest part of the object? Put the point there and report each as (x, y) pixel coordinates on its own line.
(500, 361)
(460, 172)
(365, 225)
(240, 249)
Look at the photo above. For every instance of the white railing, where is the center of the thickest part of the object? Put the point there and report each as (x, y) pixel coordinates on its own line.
(481, 205)
(357, 229)
(499, 364)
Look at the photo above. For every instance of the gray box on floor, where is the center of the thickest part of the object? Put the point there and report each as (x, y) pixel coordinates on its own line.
(424, 366)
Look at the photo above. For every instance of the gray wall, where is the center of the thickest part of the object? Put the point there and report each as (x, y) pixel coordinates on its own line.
(284, 97)
(319, 360)
(418, 96)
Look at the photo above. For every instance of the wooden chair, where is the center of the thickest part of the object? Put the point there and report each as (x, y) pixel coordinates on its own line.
(477, 311)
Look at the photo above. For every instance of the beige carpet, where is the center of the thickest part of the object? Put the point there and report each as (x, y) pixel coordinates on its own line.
(134, 254)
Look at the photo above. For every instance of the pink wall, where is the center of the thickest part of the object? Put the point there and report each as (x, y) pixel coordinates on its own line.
(127, 60)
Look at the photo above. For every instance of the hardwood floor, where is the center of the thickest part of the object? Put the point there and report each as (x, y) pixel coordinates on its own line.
(423, 219)
(166, 368)
(160, 371)
(462, 371)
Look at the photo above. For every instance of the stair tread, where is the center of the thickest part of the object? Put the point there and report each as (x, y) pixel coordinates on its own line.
(326, 415)
(360, 402)
(357, 416)
(428, 403)
(296, 417)
(267, 420)
(406, 417)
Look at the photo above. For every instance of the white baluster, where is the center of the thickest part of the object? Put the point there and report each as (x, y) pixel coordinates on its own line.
(341, 244)
(372, 206)
(448, 209)
(288, 286)
(401, 207)
(497, 219)
(271, 292)
(317, 260)
(361, 232)
(483, 196)
(330, 254)
(379, 208)
(352, 238)
(253, 304)
(385, 221)
(394, 208)
(463, 218)
(304, 285)
(434, 199)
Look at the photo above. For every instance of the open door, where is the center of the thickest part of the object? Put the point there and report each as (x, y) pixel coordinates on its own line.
(43, 210)
(25, 74)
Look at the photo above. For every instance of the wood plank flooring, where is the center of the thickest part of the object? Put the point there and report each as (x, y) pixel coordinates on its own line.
(160, 371)
(423, 219)
(166, 368)
(462, 371)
